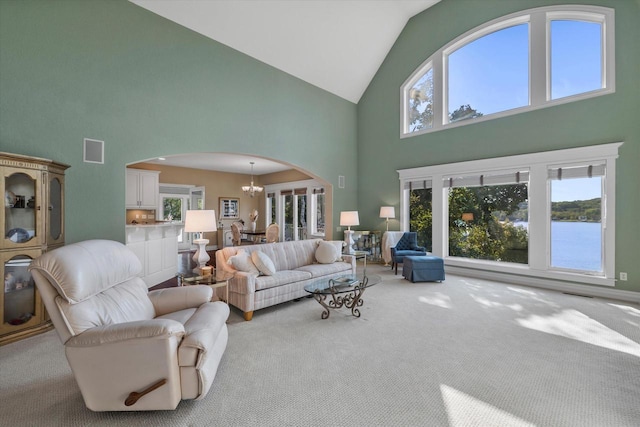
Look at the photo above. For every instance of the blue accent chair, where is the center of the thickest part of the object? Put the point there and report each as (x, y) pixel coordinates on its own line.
(406, 246)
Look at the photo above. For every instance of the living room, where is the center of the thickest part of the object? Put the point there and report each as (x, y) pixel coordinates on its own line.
(116, 72)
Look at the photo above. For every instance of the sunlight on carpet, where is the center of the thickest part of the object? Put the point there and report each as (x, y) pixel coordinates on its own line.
(575, 325)
(467, 411)
(437, 299)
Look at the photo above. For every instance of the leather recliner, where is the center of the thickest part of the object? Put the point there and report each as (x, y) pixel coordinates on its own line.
(406, 246)
(122, 340)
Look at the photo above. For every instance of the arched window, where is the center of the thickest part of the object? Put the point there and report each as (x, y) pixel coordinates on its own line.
(524, 61)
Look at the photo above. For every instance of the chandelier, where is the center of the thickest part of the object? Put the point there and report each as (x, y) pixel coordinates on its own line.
(251, 190)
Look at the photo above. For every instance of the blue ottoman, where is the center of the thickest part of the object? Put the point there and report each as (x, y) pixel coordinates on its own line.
(423, 268)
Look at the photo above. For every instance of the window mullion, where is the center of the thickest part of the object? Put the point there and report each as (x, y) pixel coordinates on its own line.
(539, 214)
(608, 222)
(539, 54)
(439, 91)
(440, 218)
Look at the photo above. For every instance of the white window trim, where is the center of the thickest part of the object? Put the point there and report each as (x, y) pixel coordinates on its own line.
(539, 20)
(539, 225)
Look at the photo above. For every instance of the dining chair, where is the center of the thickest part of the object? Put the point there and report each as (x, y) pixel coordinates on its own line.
(272, 233)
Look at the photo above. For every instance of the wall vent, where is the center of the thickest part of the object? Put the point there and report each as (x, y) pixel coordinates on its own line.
(93, 151)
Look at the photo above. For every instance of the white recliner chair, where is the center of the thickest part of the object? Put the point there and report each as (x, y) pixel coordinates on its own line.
(129, 349)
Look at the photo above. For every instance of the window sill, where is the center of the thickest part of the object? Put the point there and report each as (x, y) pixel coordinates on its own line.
(526, 271)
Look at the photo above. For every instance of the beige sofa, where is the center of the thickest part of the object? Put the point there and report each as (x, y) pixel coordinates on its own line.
(295, 266)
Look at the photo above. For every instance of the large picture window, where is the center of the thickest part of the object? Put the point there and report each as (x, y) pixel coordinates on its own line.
(548, 214)
(524, 61)
(488, 216)
(576, 217)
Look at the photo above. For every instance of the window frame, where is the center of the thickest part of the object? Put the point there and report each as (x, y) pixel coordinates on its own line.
(603, 210)
(539, 205)
(277, 190)
(313, 207)
(539, 21)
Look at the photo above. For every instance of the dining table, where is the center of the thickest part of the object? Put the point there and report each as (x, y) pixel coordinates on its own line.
(255, 235)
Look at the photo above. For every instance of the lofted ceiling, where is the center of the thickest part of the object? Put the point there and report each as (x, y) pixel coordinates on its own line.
(336, 45)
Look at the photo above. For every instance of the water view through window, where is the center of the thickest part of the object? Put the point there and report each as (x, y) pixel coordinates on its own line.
(576, 229)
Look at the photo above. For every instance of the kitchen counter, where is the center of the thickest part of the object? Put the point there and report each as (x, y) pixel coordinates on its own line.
(155, 224)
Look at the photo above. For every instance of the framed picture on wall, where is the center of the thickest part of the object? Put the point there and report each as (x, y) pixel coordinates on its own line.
(229, 208)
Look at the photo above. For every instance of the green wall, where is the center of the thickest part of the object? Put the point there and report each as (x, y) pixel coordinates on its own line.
(609, 118)
(110, 70)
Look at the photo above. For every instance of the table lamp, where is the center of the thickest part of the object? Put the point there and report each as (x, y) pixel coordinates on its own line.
(349, 218)
(200, 221)
(387, 212)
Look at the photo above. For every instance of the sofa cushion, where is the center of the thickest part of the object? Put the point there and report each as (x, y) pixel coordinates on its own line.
(263, 263)
(242, 261)
(319, 270)
(280, 278)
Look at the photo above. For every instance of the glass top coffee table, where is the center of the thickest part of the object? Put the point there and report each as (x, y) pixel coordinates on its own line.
(343, 291)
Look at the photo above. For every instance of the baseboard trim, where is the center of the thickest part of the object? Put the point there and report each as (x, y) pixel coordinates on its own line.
(556, 285)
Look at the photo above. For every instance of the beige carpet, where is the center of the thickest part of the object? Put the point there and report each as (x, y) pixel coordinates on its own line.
(464, 352)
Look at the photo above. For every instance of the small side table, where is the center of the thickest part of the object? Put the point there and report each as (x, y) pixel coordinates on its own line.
(210, 281)
(362, 255)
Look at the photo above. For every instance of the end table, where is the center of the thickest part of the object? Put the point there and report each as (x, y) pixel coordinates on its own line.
(209, 280)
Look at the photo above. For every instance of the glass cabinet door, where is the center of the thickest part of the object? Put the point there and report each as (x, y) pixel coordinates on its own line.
(55, 209)
(22, 222)
(20, 302)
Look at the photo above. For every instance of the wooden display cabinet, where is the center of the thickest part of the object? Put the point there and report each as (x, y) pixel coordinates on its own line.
(32, 223)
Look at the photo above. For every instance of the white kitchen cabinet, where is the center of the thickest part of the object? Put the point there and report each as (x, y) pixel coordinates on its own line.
(142, 188)
(156, 246)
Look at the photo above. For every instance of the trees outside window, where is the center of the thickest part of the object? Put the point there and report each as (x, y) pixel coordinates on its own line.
(421, 103)
(487, 223)
(421, 216)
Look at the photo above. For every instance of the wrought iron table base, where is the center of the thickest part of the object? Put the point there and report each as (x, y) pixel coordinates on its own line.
(351, 299)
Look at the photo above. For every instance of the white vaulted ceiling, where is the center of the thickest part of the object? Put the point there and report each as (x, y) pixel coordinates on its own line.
(336, 45)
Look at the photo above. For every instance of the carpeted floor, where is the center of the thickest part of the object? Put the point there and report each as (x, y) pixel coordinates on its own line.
(465, 352)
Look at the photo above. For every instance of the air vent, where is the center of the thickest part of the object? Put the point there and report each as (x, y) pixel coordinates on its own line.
(93, 151)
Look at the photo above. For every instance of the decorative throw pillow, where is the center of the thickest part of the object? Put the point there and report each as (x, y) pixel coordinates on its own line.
(327, 253)
(241, 261)
(339, 245)
(263, 263)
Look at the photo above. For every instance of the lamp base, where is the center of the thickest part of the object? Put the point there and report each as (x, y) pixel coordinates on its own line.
(201, 257)
(348, 239)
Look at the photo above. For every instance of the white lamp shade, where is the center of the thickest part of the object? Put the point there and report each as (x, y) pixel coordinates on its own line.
(387, 212)
(200, 221)
(349, 218)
